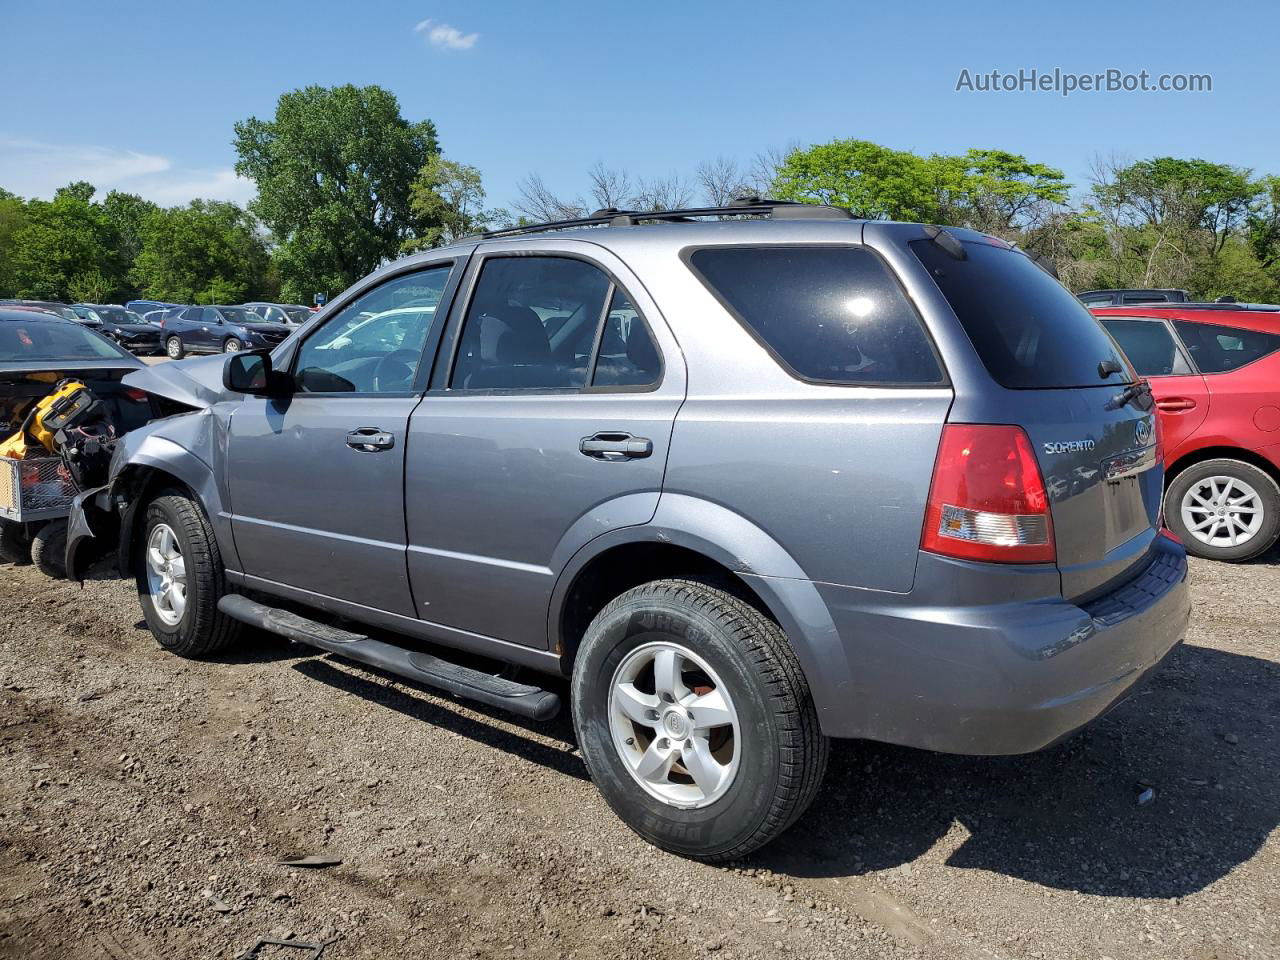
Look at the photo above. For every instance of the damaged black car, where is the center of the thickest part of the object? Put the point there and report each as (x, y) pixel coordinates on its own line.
(62, 408)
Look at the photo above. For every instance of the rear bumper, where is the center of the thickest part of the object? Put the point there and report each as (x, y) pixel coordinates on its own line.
(1003, 678)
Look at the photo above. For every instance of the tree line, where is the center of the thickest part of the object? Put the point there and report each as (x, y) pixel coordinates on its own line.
(345, 183)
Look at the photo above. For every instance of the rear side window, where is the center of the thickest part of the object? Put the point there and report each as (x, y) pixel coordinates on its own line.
(1029, 331)
(1149, 346)
(829, 314)
(1218, 349)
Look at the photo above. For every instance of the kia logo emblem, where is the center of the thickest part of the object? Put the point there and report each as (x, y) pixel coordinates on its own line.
(1142, 432)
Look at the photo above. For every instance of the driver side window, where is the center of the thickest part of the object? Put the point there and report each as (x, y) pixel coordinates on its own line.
(374, 344)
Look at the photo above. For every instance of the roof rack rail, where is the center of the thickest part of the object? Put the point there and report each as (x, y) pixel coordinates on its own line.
(738, 207)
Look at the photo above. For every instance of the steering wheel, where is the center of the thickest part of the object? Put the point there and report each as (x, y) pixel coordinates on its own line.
(394, 372)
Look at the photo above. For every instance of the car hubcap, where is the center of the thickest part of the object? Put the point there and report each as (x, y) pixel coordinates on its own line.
(233, 346)
(166, 574)
(1222, 511)
(174, 348)
(674, 725)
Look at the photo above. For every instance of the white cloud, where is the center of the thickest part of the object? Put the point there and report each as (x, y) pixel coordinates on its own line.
(446, 37)
(32, 168)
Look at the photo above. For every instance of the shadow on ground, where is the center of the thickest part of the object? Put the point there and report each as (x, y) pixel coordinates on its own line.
(1069, 817)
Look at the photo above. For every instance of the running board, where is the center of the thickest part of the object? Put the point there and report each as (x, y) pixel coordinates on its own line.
(521, 699)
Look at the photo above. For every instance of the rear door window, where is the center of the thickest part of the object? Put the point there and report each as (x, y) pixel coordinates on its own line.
(827, 314)
(1218, 349)
(1149, 346)
(1027, 328)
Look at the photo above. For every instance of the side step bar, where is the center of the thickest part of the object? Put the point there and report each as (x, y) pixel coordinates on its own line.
(521, 699)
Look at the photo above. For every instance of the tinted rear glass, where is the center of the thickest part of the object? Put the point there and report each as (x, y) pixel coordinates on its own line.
(21, 341)
(1218, 349)
(1030, 332)
(831, 314)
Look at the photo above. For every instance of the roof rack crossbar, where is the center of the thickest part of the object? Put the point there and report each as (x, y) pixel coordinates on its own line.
(740, 207)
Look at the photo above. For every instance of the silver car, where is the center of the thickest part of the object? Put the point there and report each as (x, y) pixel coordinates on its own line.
(750, 478)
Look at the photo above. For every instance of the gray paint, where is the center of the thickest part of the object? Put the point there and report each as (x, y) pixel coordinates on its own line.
(471, 530)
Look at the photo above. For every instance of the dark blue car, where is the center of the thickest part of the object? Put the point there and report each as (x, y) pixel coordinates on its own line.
(217, 330)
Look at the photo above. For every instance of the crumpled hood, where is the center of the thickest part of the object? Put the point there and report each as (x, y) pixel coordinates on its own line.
(196, 382)
(132, 327)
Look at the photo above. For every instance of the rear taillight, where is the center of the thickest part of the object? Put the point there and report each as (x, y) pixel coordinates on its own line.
(136, 395)
(987, 500)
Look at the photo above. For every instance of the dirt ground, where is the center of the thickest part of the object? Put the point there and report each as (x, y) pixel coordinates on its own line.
(145, 801)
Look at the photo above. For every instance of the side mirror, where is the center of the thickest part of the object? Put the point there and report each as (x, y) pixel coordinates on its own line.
(251, 372)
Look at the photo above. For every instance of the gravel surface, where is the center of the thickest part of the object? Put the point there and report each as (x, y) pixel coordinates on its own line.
(145, 802)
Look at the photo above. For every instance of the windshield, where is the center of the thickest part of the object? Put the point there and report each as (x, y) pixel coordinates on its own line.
(22, 341)
(239, 315)
(117, 315)
(1029, 330)
(299, 314)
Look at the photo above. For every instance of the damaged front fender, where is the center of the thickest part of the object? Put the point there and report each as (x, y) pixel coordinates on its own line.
(178, 451)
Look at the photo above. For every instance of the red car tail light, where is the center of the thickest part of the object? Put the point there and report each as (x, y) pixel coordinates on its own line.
(987, 500)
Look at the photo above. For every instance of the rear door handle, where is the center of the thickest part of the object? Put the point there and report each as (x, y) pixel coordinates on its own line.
(1175, 404)
(616, 446)
(370, 440)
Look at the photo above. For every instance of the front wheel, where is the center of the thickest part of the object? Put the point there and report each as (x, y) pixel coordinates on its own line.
(232, 346)
(173, 348)
(180, 578)
(1224, 510)
(695, 720)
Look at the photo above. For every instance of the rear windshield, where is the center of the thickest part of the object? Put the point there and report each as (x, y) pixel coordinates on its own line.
(1028, 329)
(52, 340)
(829, 314)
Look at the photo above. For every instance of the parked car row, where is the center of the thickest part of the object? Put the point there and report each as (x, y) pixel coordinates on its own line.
(152, 326)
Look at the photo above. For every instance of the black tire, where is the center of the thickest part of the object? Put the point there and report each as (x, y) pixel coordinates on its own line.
(202, 630)
(1268, 498)
(14, 545)
(173, 348)
(49, 549)
(232, 345)
(783, 754)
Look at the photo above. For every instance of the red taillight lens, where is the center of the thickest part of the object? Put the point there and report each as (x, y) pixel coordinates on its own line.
(136, 395)
(987, 500)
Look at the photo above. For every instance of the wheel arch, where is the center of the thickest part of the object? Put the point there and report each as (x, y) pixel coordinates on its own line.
(1221, 452)
(144, 476)
(701, 540)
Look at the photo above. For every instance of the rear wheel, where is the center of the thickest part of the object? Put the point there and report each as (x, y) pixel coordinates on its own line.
(173, 348)
(232, 346)
(180, 578)
(1224, 510)
(695, 720)
(49, 549)
(14, 545)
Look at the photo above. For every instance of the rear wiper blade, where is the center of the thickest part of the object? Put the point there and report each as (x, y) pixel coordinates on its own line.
(1130, 393)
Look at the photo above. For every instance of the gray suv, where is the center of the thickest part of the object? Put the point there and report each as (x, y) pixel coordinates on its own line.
(751, 478)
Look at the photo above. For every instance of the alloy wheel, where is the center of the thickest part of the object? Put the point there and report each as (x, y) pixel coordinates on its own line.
(673, 723)
(1222, 511)
(166, 574)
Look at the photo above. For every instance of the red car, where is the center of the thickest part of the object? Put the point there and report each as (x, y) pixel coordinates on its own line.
(1215, 373)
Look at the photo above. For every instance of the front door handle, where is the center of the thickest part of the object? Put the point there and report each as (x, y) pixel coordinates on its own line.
(616, 446)
(370, 440)
(1175, 404)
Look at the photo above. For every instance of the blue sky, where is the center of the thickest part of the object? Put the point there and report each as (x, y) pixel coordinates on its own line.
(142, 95)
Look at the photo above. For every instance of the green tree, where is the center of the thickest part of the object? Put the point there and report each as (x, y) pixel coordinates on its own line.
(450, 197)
(334, 170)
(66, 244)
(128, 213)
(206, 252)
(875, 182)
(12, 215)
(996, 191)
